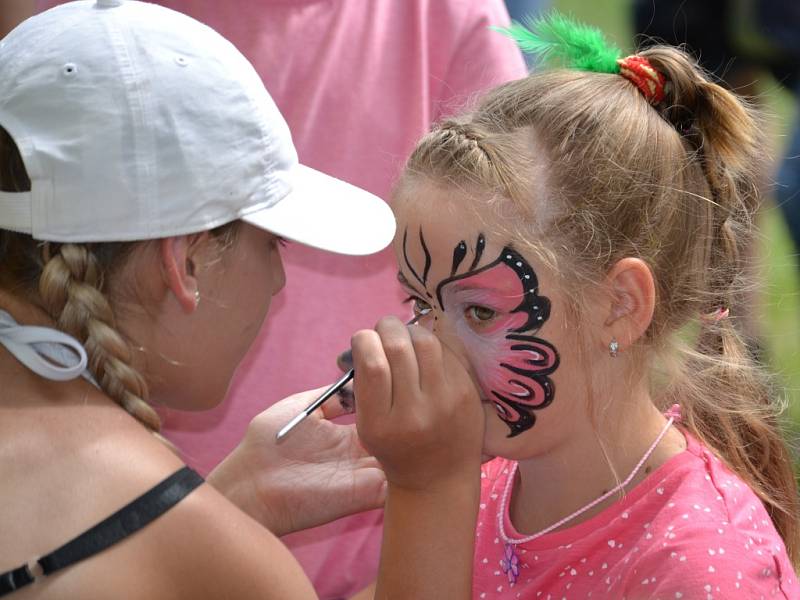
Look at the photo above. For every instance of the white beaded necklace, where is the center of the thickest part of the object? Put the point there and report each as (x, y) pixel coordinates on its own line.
(510, 559)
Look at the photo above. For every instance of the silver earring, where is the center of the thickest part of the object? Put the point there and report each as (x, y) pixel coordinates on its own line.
(196, 298)
(613, 347)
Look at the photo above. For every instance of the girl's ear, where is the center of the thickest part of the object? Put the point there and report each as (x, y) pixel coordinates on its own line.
(632, 297)
(178, 259)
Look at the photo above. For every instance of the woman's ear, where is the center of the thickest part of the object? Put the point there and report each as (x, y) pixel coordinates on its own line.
(632, 297)
(178, 256)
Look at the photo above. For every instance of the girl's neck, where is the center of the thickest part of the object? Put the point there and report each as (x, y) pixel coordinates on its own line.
(595, 459)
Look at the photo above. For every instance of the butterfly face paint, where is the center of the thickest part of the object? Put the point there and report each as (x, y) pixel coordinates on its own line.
(497, 309)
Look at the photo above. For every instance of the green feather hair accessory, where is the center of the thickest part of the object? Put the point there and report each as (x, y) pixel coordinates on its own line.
(557, 38)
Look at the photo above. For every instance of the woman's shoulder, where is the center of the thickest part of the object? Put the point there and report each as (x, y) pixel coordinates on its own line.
(201, 548)
(68, 462)
(72, 466)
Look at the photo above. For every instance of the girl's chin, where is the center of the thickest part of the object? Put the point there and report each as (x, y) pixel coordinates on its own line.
(496, 440)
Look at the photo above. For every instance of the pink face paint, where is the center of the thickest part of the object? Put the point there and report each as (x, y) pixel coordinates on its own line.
(512, 364)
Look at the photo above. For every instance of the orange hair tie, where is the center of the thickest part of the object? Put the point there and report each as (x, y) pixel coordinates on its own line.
(639, 71)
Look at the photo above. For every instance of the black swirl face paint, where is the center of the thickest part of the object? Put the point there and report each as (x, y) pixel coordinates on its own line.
(513, 365)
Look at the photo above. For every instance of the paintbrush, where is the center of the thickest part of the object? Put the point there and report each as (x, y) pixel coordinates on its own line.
(328, 393)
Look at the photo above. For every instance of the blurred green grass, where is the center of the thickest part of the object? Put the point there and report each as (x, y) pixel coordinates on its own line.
(778, 295)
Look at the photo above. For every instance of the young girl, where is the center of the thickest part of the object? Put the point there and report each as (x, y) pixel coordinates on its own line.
(568, 235)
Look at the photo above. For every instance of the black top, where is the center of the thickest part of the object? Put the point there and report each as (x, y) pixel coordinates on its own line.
(129, 519)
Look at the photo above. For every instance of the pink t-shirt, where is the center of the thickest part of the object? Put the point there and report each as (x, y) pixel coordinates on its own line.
(691, 530)
(358, 83)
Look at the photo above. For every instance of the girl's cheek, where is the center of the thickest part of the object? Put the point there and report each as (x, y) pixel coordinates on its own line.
(478, 350)
(454, 333)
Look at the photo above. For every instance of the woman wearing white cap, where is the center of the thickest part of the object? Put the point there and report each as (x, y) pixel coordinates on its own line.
(147, 181)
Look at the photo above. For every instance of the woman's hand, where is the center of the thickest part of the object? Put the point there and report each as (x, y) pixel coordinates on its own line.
(318, 473)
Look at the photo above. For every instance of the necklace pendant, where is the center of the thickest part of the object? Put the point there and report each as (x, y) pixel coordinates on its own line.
(510, 563)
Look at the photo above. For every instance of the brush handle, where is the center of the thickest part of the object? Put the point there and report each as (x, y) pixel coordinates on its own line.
(330, 392)
(345, 379)
(316, 404)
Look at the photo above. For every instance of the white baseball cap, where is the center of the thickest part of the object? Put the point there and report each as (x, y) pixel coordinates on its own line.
(137, 122)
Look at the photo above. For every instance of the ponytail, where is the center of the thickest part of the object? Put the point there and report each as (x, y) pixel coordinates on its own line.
(727, 398)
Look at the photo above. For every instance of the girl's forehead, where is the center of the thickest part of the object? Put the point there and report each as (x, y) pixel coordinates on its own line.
(444, 214)
(438, 242)
(450, 207)
(437, 223)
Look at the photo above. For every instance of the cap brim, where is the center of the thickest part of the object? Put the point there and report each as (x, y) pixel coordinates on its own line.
(329, 214)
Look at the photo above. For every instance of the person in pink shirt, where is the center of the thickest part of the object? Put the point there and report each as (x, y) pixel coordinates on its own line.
(358, 83)
(575, 230)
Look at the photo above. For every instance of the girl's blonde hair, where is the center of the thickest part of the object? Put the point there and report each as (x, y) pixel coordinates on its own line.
(676, 185)
(69, 282)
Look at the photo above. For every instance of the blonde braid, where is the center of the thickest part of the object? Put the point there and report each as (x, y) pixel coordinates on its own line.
(71, 288)
(460, 151)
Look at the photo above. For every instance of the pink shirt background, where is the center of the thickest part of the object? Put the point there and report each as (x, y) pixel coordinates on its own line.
(691, 530)
(358, 82)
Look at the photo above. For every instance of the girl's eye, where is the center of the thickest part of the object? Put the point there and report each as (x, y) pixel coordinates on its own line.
(480, 314)
(419, 305)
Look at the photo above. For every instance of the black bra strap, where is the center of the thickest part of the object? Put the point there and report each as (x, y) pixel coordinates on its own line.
(129, 519)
